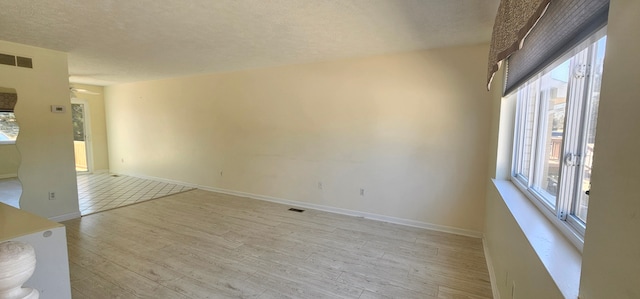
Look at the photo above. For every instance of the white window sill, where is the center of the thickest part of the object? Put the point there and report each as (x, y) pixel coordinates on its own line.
(9, 142)
(560, 258)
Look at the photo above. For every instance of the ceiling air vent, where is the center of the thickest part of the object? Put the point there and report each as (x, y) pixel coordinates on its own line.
(16, 61)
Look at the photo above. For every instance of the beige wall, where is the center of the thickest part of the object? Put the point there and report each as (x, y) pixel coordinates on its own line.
(512, 257)
(46, 140)
(411, 129)
(611, 258)
(9, 160)
(611, 263)
(98, 124)
(9, 157)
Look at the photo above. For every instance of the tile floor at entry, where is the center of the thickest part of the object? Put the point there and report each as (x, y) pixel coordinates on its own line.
(104, 191)
(10, 190)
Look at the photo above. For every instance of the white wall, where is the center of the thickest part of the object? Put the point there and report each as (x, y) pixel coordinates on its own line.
(9, 160)
(411, 129)
(611, 260)
(45, 142)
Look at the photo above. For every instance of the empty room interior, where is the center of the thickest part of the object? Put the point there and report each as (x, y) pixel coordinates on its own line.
(321, 149)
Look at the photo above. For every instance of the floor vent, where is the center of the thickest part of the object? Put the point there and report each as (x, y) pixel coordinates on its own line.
(115, 176)
(7, 59)
(296, 210)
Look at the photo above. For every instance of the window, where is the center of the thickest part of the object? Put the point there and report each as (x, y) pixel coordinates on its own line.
(8, 128)
(554, 142)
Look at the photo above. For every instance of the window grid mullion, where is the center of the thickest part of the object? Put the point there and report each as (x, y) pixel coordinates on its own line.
(583, 126)
(539, 146)
(534, 137)
(520, 135)
(573, 126)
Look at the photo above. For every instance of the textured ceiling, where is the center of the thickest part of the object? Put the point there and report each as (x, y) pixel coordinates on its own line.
(115, 41)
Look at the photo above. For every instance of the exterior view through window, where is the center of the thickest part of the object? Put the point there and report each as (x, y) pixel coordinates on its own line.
(555, 131)
(8, 128)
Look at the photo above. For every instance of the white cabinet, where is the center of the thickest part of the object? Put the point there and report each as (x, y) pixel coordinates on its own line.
(48, 238)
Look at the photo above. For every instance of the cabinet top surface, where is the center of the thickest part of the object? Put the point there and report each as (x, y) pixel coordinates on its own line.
(15, 223)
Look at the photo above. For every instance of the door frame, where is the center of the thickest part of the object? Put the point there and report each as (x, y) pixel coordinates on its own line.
(87, 134)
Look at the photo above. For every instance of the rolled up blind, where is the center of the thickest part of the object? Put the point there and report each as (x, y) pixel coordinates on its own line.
(514, 20)
(564, 24)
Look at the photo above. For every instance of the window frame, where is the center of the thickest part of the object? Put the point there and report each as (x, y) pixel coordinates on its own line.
(574, 138)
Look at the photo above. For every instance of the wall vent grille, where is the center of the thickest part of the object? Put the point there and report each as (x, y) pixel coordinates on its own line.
(19, 61)
(24, 62)
(7, 59)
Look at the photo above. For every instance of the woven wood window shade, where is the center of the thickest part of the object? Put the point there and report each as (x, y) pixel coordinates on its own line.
(8, 101)
(514, 20)
(561, 25)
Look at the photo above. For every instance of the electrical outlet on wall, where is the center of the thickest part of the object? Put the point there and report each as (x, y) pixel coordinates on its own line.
(52, 195)
(320, 185)
(361, 192)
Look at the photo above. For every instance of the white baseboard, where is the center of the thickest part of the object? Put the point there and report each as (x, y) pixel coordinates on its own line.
(401, 221)
(66, 217)
(8, 176)
(492, 272)
(168, 181)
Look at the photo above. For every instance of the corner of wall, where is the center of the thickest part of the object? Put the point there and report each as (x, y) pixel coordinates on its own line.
(45, 141)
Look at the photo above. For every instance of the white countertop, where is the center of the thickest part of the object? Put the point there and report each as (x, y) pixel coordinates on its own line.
(15, 223)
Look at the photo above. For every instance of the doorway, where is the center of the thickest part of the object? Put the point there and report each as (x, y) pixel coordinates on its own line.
(81, 136)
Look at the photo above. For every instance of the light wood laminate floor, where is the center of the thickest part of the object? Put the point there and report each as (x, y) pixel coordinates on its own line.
(200, 244)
